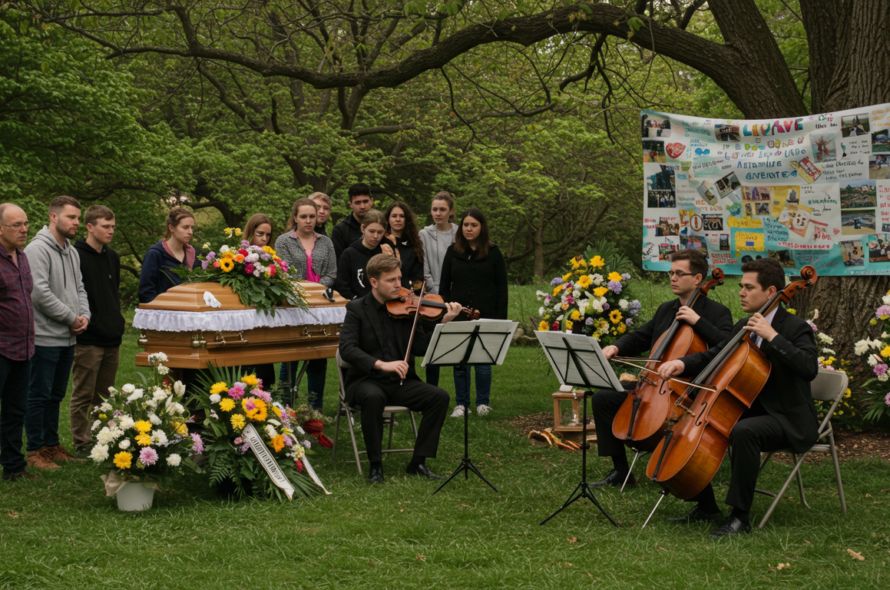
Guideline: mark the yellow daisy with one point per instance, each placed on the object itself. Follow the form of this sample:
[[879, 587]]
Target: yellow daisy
[[123, 460], [600, 291], [614, 276], [615, 316], [227, 404], [543, 327], [219, 388]]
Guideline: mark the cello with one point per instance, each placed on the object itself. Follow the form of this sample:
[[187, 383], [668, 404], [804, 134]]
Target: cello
[[686, 459], [648, 407]]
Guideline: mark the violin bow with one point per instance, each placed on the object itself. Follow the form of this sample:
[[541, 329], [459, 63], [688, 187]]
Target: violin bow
[[690, 384], [414, 327]]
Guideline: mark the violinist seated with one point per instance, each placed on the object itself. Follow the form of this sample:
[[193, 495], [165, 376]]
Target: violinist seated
[[374, 344], [783, 414], [709, 319]]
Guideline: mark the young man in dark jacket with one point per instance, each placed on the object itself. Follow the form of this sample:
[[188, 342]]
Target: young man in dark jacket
[[96, 353], [350, 228]]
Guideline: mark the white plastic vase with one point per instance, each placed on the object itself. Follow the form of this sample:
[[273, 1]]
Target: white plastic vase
[[135, 496]]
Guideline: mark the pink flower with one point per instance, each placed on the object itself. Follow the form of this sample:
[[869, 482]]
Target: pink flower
[[148, 456], [204, 265], [262, 395], [236, 392], [248, 268], [249, 405], [271, 270], [887, 399], [880, 369], [197, 443], [216, 264]]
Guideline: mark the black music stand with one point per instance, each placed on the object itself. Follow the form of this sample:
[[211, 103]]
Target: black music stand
[[483, 342], [578, 361]]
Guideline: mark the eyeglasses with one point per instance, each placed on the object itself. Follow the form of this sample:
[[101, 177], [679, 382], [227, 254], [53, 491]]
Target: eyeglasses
[[679, 274], [17, 226]]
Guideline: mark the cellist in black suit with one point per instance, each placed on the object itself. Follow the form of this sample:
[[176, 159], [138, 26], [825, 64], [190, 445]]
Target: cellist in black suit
[[710, 320], [374, 344], [783, 414]]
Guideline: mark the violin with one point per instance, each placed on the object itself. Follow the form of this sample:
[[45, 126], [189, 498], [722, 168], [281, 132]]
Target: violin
[[648, 407], [432, 307], [693, 447]]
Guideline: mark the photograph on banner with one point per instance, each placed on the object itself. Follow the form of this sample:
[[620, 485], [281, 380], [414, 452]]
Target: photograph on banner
[[667, 226], [852, 253], [854, 125], [879, 167], [785, 257], [655, 125], [660, 185], [879, 248], [858, 222], [823, 147], [653, 151], [727, 132], [880, 142]]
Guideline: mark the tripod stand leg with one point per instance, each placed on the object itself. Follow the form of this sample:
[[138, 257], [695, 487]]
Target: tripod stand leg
[[572, 498], [663, 494], [587, 492], [461, 467], [470, 467]]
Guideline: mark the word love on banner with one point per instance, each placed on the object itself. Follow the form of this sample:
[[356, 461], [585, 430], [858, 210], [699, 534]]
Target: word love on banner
[[270, 465], [805, 190]]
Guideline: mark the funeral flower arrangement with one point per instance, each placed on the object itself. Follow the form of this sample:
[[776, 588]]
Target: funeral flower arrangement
[[589, 298], [876, 353], [230, 403], [256, 274], [140, 432]]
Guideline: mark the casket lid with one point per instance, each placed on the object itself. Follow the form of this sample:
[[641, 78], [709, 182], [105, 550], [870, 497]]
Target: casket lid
[[190, 297]]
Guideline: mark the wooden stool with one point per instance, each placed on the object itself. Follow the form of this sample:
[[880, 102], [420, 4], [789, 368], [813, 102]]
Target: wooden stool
[[573, 430]]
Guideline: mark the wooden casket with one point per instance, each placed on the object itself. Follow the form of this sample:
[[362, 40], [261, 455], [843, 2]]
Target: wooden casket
[[182, 325]]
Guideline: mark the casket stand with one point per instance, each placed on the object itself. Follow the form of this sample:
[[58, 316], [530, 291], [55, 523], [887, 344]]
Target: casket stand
[[182, 325]]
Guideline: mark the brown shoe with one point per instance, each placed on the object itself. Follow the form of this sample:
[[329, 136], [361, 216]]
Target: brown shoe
[[61, 454], [41, 459], [19, 475]]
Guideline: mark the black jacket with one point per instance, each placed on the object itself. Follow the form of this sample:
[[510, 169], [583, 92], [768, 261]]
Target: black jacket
[[786, 395], [345, 233], [323, 230], [156, 277], [352, 281], [101, 272], [360, 347], [713, 326], [478, 284], [412, 266]]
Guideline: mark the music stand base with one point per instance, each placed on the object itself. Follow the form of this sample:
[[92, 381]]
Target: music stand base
[[466, 466], [582, 490]]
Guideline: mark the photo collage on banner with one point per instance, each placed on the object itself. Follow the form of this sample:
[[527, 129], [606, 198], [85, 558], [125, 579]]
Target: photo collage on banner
[[808, 190]]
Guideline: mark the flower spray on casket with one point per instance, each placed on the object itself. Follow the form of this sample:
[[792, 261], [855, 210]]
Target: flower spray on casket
[[231, 401], [140, 433]]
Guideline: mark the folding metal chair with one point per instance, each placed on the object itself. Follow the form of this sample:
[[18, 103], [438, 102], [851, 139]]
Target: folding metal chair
[[350, 411], [828, 386]]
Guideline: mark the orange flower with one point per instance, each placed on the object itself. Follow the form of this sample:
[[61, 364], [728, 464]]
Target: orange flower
[[278, 443], [239, 258]]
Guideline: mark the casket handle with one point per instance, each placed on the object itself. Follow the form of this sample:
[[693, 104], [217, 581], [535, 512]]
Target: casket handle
[[198, 340], [143, 339]]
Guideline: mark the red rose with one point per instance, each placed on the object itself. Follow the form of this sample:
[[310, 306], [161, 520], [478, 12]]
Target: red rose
[[313, 426], [299, 466], [243, 252]]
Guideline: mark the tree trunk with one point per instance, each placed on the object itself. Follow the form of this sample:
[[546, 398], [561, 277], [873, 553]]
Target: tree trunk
[[538, 239]]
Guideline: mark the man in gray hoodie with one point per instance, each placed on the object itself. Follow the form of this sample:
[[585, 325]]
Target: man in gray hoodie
[[61, 312]]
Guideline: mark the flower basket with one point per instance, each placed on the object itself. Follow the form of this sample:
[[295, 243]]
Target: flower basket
[[135, 496]]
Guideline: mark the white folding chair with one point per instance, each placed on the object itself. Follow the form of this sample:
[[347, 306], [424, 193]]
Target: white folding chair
[[350, 411], [828, 386]]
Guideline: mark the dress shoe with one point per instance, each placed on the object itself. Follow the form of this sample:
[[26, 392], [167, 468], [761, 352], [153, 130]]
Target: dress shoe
[[732, 526], [61, 454], [697, 515], [41, 459], [375, 475], [19, 475], [615, 479], [423, 470]]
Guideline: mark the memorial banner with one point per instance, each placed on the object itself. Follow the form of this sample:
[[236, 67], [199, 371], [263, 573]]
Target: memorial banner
[[803, 190]]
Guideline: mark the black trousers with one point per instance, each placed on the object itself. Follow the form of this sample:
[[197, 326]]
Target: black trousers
[[748, 439], [14, 379], [373, 395], [605, 404]]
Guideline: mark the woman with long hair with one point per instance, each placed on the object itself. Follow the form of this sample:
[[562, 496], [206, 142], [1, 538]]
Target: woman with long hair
[[312, 256], [401, 225], [475, 275], [352, 281], [174, 250], [258, 232]]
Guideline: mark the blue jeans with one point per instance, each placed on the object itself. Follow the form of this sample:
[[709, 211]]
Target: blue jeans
[[50, 371], [462, 384], [316, 373], [14, 376]]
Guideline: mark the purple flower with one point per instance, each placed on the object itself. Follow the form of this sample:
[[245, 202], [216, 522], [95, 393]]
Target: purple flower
[[117, 412], [629, 322], [245, 447], [148, 456], [210, 256], [112, 424], [245, 244], [615, 286], [813, 326], [307, 444], [625, 276], [547, 300], [197, 443], [288, 442], [634, 307], [556, 281], [588, 322], [204, 264], [606, 307], [880, 369], [883, 310], [264, 256]]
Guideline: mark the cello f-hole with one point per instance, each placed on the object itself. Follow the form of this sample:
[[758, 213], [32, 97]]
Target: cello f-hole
[[701, 414]]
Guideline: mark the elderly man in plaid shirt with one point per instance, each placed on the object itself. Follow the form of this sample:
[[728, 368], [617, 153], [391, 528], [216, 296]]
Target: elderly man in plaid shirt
[[16, 339]]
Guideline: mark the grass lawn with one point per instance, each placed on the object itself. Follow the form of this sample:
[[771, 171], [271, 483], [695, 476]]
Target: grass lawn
[[62, 532]]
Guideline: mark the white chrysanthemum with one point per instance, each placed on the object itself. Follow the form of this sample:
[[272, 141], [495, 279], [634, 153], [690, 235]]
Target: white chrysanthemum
[[828, 351], [105, 407], [158, 437], [179, 388], [153, 418], [128, 388], [825, 338], [597, 305], [540, 294], [597, 279], [884, 377], [162, 370], [124, 444], [161, 357], [178, 408], [104, 436], [159, 394], [99, 453], [872, 360], [214, 398], [135, 395], [270, 430], [253, 257], [623, 303], [126, 422], [151, 404], [96, 425], [223, 249], [274, 422], [860, 347], [886, 299], [576, 294], [116, 433], [112, 391], [174, 460]]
